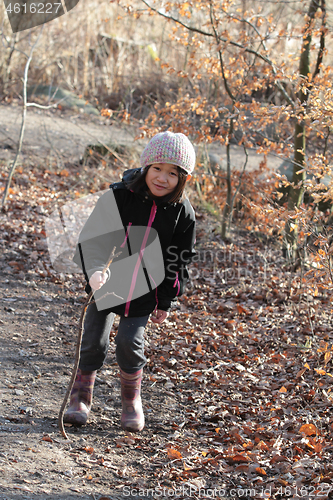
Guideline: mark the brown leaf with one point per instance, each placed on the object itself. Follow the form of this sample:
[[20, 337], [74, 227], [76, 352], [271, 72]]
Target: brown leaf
[[238, 459], [89, 450], [278, 458], [47, 438], [318, 447], [242, 468], [309, 429], [174, 454], [262, 446], [327, 357], [242, 310], [261, 471], [300, 373]]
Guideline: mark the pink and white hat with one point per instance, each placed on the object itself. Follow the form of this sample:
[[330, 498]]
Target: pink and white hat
[[167, 147]]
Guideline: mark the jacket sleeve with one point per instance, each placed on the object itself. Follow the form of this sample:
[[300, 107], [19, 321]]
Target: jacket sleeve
[[177, 257], [99, 235]]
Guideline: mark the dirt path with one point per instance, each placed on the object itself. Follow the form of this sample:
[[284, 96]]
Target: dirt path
[[63, 134], [38, 331]]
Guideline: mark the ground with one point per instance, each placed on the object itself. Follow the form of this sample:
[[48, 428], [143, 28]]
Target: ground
[[236, 392]]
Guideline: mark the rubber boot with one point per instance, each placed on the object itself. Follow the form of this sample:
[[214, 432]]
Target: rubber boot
[[132, 418], [81, 398]]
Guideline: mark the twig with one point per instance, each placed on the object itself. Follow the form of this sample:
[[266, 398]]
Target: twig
[[41, 106], [78, 349]]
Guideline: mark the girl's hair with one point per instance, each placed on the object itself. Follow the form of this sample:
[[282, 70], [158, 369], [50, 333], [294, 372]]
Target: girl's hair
[[176, 196]]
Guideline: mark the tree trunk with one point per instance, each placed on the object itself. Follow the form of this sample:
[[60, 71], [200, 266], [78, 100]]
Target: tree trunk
[[299, 175], [227, 207]]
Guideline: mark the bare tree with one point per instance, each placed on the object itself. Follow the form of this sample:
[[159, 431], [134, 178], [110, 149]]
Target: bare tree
[[25, 107]]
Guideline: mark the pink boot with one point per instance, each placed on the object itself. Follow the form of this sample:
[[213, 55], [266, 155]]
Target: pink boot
[[81, 398], [132, 418]]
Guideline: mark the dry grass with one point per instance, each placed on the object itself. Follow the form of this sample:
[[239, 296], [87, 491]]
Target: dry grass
[[95, 50]]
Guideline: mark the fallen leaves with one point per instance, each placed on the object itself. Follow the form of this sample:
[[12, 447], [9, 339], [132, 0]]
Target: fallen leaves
[[255, 397]]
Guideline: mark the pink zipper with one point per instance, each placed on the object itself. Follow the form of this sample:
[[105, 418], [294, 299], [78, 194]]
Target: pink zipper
[[176, 283], [142, 249], [126, 236]]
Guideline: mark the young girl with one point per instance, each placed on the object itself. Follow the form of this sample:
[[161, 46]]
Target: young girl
[[152, 227]]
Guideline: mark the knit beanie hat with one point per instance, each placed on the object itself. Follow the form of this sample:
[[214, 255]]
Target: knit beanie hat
[[167, 147]]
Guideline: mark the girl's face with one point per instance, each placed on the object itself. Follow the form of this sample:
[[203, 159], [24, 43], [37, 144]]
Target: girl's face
[[162, 178]]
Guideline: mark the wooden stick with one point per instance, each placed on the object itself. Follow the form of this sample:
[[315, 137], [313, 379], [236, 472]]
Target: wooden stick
[[78, 349]]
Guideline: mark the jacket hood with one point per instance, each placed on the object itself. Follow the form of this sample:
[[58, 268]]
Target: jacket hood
[[129, 175]]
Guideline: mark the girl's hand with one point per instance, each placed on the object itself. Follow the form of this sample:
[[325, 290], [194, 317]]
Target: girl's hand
[[159, 316], [97, 280]]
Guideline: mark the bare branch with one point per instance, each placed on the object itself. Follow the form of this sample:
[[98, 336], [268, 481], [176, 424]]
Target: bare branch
[[231, 42], [170, 18], [217, 38], [40, 106]]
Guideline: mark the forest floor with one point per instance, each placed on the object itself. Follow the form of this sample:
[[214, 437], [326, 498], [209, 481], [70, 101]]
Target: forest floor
[[237, 389]]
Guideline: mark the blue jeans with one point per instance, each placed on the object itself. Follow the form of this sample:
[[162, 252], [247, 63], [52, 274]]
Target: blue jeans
[[129, 340]]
